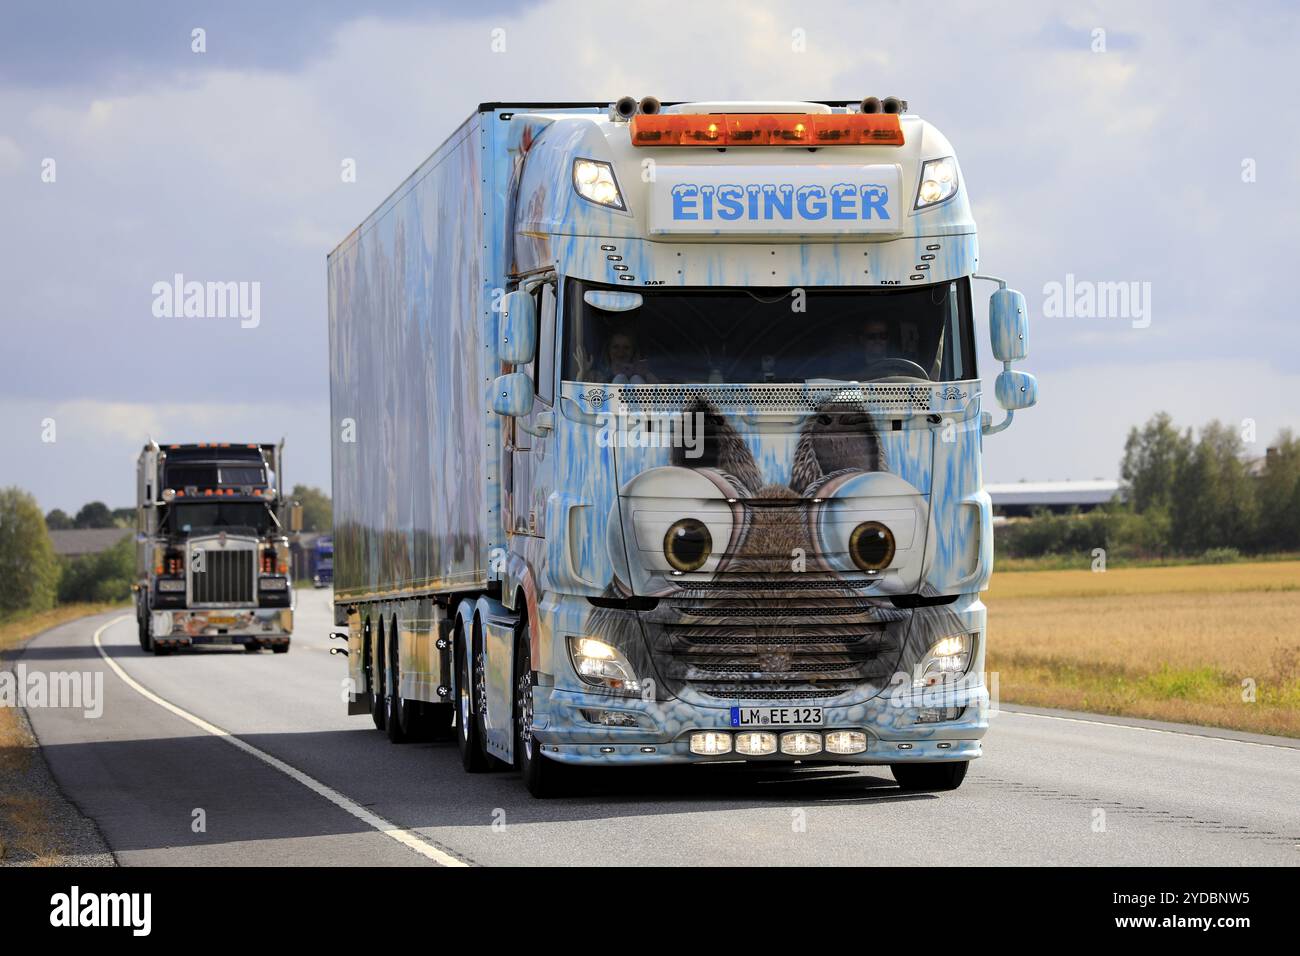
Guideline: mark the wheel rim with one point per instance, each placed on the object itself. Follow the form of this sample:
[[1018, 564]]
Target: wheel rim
[[480, 683], [462, 692], [525, 707]]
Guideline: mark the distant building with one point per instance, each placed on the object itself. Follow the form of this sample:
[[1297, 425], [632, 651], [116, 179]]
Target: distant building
[[1021, 498], [75, 542]]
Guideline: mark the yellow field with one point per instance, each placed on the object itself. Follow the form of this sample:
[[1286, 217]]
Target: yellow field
[[1189, 644]]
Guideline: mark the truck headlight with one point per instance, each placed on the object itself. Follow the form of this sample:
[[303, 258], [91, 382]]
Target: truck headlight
[[947, 658], [938, 182], [595, 180], [602, 664], [171, 586]]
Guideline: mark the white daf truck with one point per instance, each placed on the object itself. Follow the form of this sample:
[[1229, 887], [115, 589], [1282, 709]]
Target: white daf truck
[[658, 436]]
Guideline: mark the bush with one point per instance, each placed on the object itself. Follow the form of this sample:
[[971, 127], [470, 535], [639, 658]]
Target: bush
[[102, 577], [1220, 556], [29, 571], [1119, 532]]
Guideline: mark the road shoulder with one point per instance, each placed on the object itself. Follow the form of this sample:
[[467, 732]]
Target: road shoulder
[[1161, 726], [39, 824]]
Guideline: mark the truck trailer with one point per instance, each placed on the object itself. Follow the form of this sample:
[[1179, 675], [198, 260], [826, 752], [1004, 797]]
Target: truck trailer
[[657, 437], [212, 553]]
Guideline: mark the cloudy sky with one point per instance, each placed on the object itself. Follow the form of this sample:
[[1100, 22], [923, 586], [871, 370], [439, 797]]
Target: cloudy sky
[[1113, 142]]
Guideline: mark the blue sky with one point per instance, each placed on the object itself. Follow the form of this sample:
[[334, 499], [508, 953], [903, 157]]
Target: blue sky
[[1122, 165]]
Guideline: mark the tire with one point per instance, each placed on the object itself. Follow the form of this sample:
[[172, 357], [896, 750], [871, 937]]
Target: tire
[[542, 776], [146, 631], [399, 721], [252, 647], [375, 676], [930, 776], [280, 649], [469, 725]]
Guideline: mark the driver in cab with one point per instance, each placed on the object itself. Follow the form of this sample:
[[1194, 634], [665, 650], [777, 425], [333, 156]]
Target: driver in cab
[[887, 357]]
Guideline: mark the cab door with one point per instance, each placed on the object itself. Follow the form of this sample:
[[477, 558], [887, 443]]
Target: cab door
[[531, 478]]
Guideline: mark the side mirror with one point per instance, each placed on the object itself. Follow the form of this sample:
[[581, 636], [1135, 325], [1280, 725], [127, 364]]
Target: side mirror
[[1016, 390], [517, 338], [512, 394], [1008, 326], [295, 517]]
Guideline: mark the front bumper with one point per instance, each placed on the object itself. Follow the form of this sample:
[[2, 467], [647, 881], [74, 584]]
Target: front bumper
[[890, 722], [180, 628]]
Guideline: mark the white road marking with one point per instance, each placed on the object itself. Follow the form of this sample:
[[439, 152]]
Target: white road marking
[[402, 836], [1149, 730]]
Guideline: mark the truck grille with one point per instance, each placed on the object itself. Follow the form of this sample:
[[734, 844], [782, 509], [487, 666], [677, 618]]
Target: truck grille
[[777, 397], [743, 647], [227, 578]]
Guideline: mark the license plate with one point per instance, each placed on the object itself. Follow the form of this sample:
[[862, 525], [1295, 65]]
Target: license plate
[[776, 716], [220, 620]]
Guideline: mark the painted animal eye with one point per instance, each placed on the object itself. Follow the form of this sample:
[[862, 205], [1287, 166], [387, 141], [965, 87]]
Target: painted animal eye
[[688, 544], [676, 522], [872, 546], [871, 527]]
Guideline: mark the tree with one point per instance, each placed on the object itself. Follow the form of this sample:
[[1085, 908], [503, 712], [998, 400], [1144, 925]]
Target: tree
[[1152, 459], [94, 515], [29, 572], [1213, 503], [317, 509], [58, 520], [106, 576], [1279, 493]]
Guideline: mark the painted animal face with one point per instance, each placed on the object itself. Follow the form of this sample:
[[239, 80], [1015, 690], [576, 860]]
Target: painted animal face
[[714, 518], [760, 593]]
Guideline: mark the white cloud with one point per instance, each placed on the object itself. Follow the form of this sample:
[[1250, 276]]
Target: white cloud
[[1115, 166]]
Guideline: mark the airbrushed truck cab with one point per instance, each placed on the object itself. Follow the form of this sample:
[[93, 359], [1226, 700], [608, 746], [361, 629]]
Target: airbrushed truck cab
[[736, 447]]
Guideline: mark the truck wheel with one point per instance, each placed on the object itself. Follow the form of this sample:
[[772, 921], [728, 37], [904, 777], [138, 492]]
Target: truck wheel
[[469, 726], [375, 677], [279, 648], [252, 647], [398, 721], [930, 776], [542, 776]]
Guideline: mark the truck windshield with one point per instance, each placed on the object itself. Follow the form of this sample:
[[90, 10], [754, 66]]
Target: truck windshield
[[202, 516], [753, 335], [213, 475]]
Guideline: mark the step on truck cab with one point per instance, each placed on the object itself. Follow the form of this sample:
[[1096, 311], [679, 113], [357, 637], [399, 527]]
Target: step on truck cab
[[212, 551], [657, 439]]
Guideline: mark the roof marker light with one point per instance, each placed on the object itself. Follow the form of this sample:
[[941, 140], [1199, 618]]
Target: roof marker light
[[767, 129]]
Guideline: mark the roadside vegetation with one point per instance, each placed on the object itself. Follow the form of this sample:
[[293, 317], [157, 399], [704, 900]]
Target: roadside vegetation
[[1179, 603], [1186, 499], [1200, 644]]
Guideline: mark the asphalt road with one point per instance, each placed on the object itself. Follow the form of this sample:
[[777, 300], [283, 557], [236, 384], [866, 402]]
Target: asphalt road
[[304, 784]]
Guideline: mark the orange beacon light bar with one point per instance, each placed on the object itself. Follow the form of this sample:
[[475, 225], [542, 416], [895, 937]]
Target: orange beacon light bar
[[767, 129]]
